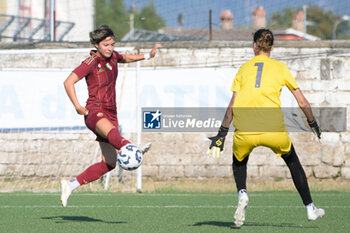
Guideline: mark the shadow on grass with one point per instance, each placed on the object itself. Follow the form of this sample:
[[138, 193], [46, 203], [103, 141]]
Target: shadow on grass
[[251, 224], [61, 219], [287, 225], [216, 223]]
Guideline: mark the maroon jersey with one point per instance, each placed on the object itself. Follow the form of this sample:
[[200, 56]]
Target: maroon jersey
[[101, 75]]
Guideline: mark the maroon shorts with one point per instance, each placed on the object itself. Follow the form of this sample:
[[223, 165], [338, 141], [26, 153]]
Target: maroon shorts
[[96, 114]]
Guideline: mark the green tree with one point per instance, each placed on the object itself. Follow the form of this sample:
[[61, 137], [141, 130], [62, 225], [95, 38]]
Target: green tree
[[148, 18], [282, 20], [322, 22], [114, 14]]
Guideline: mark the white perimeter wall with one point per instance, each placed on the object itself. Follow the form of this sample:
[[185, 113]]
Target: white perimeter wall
[[321, 70]]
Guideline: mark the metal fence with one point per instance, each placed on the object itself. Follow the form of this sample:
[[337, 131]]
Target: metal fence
[[17, 28]]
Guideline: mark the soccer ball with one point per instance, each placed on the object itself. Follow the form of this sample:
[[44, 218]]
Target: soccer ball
[[130, 157]]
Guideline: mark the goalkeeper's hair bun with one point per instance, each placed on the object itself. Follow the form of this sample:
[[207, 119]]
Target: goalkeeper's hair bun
[[101, 33], [264, 39]]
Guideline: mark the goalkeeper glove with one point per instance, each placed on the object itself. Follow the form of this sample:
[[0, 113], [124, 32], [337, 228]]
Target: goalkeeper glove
[[315, 128], [217, 142]]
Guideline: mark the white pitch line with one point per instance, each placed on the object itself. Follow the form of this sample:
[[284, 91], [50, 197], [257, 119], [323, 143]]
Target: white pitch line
[[121, 194], [166, 194], [119, 206], [165, 206]]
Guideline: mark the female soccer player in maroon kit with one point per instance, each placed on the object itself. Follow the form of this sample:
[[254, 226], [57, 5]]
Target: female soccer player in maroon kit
[[100, 71]]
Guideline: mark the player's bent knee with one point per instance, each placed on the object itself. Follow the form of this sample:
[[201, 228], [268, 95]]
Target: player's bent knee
[[291, 157], [103, 127], [237, 163]]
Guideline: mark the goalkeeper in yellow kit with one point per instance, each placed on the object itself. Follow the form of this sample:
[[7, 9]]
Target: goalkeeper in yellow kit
[[258, 121]]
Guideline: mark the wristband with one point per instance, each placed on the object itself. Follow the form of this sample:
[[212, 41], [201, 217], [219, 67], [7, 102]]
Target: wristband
[[147, 56], [222, 131], [312, 123]]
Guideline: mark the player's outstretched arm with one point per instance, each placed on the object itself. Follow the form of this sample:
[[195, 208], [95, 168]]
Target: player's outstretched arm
[[153, 52], [217, 142], [226, 122], [306, 108], [127, 58]]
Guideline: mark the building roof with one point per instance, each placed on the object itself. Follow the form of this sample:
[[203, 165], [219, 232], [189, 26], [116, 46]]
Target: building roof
[[259, 11], [292, 34], [146, 35], [226, 14], [218, 34]]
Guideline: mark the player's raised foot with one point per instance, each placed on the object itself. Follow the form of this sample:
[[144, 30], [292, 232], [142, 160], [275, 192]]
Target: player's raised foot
[[239, 216], [66, 191], [315, 213], [146, 147]]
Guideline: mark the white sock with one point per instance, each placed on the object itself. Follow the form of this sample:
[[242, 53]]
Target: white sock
[[73, 184], [240, 192], [310, 206]]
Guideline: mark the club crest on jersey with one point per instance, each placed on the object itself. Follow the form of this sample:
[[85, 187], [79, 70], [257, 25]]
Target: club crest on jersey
[[100, 69], [109, 66]]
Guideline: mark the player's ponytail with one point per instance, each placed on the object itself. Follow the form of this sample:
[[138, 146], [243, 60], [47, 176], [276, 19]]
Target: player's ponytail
[[101, 33], [264, 39]]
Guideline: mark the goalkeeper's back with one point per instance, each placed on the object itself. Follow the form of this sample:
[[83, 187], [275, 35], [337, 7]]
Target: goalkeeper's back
[[257, 105]]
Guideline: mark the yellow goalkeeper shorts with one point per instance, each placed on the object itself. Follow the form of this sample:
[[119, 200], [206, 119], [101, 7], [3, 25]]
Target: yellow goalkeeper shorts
[[243, 144]]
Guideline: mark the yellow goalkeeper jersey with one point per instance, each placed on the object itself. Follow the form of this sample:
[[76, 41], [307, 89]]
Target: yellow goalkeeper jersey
[[258, 85]]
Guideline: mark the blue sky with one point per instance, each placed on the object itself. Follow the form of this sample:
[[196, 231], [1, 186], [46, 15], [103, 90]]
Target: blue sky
[[196, 11]]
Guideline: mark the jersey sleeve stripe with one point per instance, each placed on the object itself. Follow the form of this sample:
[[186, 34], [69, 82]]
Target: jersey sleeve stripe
[[90, 59]]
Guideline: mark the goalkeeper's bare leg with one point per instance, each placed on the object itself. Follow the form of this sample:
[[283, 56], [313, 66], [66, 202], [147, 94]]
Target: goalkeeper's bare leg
[[300, 182]]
